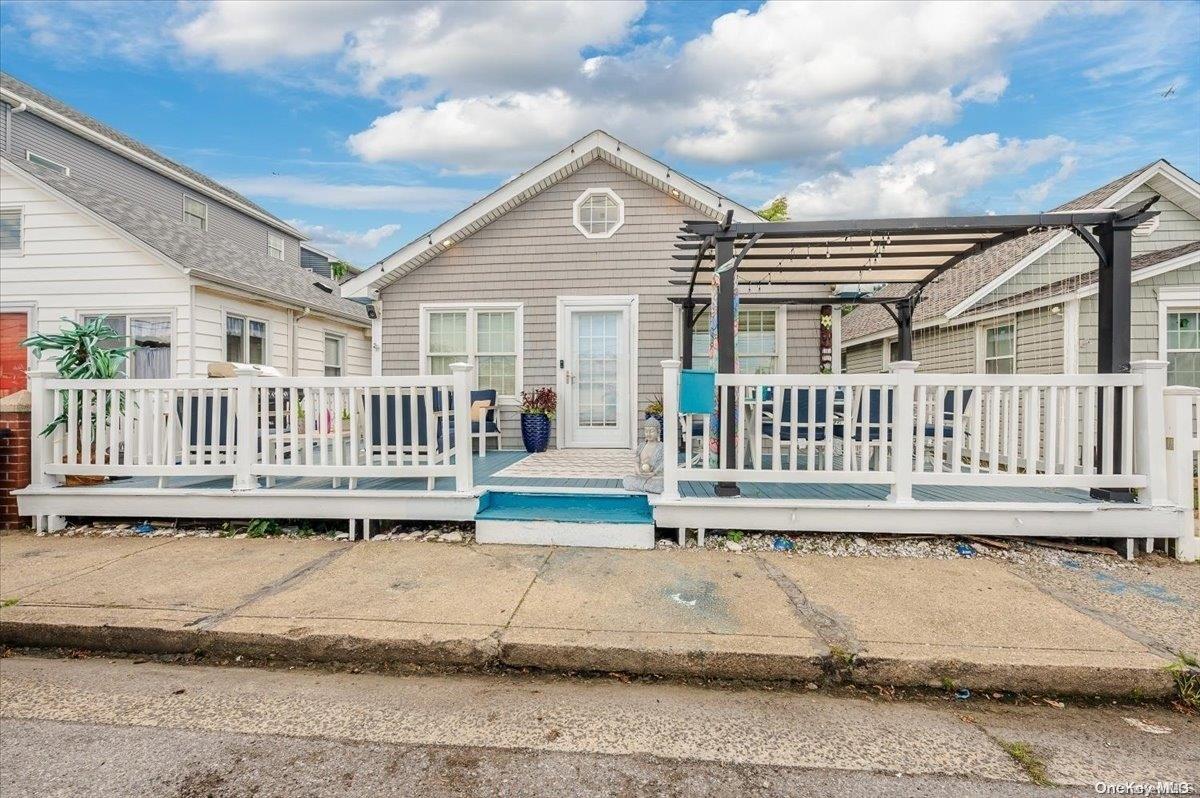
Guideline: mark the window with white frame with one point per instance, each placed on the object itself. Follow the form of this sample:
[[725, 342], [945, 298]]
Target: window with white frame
[[486, 336], [759, 341], [245, 340], [598, 213], [150, 334], [1183, 346], [10, 230], [46, 163], [275, 246], [335, 355], [195, 214], [999, 343]]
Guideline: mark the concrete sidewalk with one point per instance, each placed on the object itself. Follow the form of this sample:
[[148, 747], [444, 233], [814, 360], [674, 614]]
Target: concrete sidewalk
[[975, 622]]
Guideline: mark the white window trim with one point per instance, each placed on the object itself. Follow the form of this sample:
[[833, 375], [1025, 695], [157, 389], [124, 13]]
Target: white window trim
[[781, 333], [153, 311], [203, 204], [271, 238], [225, 315], [1176, 299], [30, 155], [341, 351], [20, 250], [471, 308], [590, 193], [981, 331]]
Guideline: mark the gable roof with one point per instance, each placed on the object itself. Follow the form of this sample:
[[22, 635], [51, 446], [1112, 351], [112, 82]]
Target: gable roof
[[204, 255], [957, 289], [570, 159], [60, 113]]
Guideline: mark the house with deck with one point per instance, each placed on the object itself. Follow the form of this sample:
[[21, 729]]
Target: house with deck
[[1029, 306], [605, 273], [93, 222]]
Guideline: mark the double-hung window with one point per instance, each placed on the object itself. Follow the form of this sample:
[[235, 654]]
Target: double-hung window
[[245, 340], [1000, 349], [758, 341], [1183, 346], [10, 231], [487, 336], [150, 333], [195, 214], [335, 350], [275, 246]]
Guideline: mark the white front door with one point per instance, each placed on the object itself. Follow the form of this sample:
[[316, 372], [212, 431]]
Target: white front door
[[596, 372]]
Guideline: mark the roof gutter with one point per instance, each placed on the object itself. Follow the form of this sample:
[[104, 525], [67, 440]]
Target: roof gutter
[[206, 277], [85, 132]]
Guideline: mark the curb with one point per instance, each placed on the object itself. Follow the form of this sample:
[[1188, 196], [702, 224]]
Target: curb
[[491, 652]]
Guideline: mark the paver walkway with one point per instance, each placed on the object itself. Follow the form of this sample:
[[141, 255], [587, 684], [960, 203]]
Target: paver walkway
[[976, 622]]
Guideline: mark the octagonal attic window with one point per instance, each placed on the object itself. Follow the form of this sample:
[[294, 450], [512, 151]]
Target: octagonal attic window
[[599, 212]]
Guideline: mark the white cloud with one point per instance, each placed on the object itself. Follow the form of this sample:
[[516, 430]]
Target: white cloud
[[928, 176], [332, 239], [79, 32], [358, 196], [490, 86]]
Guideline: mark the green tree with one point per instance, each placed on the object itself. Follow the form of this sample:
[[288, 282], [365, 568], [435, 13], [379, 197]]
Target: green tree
[[776, 210]]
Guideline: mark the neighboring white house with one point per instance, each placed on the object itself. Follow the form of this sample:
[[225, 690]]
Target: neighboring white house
[[94, 223], [1029, 305]]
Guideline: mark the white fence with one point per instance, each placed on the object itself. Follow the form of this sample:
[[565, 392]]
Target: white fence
[[252, 427], [903, 429]]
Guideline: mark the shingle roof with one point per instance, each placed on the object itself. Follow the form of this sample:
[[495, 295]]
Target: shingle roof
[[31, 94], [955, 285], [1060, 287], [206, 254]]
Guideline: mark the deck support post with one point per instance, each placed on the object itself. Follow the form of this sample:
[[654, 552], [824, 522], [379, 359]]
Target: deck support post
[[41, 410], [904, 421], [1180, 434], [670, 443], [904, 318], [463, 474], [245, 428], [1114, 324], [727, 358]]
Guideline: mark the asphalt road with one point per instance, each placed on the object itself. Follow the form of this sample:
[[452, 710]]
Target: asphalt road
[[100, 727]]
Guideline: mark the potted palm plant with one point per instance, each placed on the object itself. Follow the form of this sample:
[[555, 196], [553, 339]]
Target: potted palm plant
[[537, 411], [82, 351]]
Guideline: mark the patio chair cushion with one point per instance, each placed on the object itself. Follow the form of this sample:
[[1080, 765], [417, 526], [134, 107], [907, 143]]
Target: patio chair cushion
[[482, 398]]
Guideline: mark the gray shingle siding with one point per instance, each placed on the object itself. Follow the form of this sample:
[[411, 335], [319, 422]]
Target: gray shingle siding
[[94, 164], [533, 254]]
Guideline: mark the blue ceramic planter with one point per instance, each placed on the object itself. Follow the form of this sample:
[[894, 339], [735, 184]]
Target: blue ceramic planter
[[535, 432]]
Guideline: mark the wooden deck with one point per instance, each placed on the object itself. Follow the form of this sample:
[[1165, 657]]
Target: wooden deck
[[486, 467]]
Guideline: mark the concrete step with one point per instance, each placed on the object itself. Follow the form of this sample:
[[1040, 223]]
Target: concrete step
[[565, 519]]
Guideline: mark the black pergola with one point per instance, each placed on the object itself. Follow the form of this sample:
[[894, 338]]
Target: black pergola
[[906, 252]]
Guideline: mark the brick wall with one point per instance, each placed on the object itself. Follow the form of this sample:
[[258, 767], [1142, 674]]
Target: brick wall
[[14, 456]]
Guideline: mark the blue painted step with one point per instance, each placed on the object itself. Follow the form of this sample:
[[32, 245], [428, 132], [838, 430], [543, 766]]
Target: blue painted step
[[578, 508]]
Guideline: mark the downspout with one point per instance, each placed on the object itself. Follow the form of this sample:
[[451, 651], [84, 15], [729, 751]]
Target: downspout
[[192, 330], [295, 350]]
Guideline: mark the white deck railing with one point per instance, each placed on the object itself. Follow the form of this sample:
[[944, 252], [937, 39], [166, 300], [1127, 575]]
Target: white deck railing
[[250, 427], [903, 429]]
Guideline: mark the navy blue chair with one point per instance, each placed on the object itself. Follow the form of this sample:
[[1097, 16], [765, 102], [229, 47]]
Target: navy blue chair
[[948, 410], [867, 421], [486, 425], [392, 428], [783, 417]]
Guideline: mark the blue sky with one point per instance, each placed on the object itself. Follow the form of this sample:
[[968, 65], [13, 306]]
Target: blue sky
[[368, 123]]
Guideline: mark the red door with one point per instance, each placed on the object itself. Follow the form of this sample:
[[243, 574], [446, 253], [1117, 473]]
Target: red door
[[14, 328]]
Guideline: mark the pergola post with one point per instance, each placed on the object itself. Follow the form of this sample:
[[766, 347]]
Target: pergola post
[[1114, 329], [685, 352], [727, 359], [904, 317]]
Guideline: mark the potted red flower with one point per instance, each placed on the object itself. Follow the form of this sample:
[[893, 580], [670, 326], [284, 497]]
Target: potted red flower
[[537, 411]]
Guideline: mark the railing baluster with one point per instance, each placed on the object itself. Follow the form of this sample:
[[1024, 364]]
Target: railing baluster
[[1051, 455], [1071, 442], [1089, 430]]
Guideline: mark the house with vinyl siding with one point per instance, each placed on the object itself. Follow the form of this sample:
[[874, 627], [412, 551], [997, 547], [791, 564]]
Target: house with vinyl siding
[[562, 278], [93, 222], [1029, 305]]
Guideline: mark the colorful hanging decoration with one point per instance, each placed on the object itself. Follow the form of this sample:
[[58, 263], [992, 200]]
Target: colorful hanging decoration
[[714, 437]]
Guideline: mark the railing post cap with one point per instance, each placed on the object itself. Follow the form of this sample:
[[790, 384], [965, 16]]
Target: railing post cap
[[458, 367], [242, 370], [1148, 365], [672, 364], [42, 370], [903, 365], [1181, 390]]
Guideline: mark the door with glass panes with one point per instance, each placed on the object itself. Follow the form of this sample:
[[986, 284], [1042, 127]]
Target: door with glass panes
[[596, 363]]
